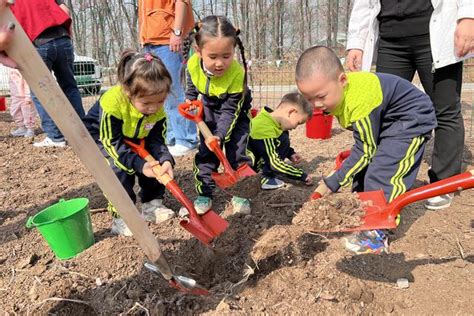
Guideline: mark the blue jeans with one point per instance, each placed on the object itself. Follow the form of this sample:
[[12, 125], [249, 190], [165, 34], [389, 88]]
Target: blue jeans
[[58, 55], [179, 130]]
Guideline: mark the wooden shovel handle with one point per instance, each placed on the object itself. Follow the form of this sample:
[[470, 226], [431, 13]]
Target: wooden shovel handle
[[45, 87]]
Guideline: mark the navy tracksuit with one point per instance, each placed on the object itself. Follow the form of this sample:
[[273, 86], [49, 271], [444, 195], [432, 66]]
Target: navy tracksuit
[[270, 146], [391, 121], [226, 104]]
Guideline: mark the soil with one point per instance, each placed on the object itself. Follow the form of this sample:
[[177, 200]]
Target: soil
[[262, 263], [333, 212], [247, 187]]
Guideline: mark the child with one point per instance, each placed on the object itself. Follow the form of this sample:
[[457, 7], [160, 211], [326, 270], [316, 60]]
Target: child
[[270, 141], [221, 81], [21, 108], [391, 121], [133, 110]]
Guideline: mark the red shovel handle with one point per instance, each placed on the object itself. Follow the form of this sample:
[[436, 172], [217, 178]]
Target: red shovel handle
[[138, 148], [186, 108]]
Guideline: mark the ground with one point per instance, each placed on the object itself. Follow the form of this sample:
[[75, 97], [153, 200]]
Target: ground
[[303, 273]]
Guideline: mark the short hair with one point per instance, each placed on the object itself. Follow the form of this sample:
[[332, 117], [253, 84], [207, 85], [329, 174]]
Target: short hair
[[318, 59], [297, 99]]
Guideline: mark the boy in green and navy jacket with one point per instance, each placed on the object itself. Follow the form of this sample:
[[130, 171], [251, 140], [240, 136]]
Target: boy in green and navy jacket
[[391, 121], [269, 143]]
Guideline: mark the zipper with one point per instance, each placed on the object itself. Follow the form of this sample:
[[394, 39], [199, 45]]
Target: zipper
[[137, 130], [208, 83], [433, 69]]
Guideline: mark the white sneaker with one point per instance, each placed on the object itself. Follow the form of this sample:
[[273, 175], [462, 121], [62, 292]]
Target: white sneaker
[[30, 133], [180, 150], [18, 132], [154, 211], [120, 228], [439, 202], [48, 142]]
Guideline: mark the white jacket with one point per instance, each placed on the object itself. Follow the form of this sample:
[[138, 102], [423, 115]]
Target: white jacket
[[363, 30]]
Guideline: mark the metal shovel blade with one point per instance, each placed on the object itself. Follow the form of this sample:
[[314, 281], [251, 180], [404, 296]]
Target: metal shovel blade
[[181, 283]]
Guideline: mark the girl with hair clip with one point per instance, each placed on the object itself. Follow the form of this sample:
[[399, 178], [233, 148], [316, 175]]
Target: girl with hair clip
[[214, 74], [133, 110]]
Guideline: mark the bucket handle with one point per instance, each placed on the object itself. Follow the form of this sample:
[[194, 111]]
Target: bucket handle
[[29, 222]]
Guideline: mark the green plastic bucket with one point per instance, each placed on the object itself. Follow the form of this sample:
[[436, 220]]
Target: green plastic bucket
[[66, 226]]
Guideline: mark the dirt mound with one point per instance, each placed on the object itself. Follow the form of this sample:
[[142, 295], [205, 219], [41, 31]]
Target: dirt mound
[[331, 212]]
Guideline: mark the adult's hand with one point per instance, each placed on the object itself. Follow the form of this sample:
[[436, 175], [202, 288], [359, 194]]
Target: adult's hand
[[6, 36], [176, 43], [354, 59], [464, 37]]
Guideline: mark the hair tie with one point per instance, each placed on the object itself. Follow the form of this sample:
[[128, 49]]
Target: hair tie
[[148, 57]]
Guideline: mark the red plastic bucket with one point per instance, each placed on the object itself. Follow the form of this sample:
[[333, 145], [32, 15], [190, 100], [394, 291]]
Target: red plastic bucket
[[319, 126], [3, 104]]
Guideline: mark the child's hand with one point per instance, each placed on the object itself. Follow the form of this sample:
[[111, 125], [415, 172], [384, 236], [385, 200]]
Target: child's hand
[[308, 180], [166, 167], [209, 140], [148, 169], [296, 158]]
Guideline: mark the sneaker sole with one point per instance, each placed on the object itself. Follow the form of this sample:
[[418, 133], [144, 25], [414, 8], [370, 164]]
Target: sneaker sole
[[436, 207]]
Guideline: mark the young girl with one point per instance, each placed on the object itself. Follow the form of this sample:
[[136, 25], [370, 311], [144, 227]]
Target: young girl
[[213, 73], [22, 108], [133, 110]]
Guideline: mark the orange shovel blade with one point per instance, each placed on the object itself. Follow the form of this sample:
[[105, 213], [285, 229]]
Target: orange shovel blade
[[245, 171], [208, 227], [377, 214]]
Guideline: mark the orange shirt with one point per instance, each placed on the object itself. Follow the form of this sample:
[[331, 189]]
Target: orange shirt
[[156, 20]]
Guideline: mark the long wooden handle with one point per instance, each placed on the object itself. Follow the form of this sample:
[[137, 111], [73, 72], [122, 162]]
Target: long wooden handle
[[45, 87]]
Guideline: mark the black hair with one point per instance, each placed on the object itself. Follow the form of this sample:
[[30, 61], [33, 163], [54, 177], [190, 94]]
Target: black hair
[[142, 74], [214, 26], [320, 59], [297, 99]]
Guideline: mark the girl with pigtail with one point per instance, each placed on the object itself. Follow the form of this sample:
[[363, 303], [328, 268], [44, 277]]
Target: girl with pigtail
[[214, 74], [133, 110]]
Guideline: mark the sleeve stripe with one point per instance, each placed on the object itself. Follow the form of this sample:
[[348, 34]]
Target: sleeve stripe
[[277, 163], [105, 137]]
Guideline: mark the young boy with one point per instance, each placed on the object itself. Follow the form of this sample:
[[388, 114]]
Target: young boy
[[269, 142], [391, 121]]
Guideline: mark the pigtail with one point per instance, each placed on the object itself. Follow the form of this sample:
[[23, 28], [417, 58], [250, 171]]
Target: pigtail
[[123, 64], [242, 55]]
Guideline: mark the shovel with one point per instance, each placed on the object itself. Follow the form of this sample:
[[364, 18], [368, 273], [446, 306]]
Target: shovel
[[41, 81], [205, 227], [382, 215], [230, 176]]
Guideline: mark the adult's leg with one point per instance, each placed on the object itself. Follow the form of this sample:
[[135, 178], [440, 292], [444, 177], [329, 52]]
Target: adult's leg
[[64, 72], [394, 57], [445, 86], [47, 52], [180, 130]]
